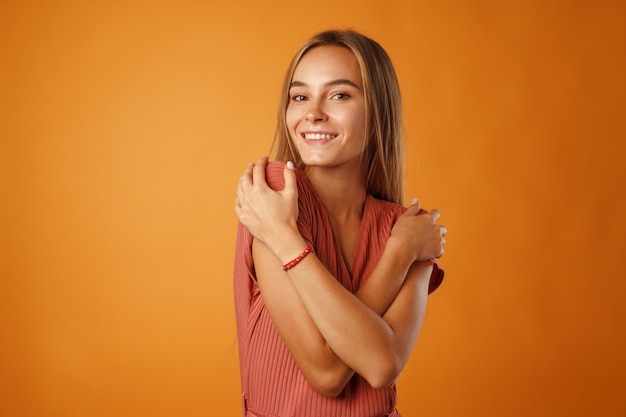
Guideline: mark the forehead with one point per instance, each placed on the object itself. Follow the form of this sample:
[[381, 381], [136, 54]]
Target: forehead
[[327, 63]]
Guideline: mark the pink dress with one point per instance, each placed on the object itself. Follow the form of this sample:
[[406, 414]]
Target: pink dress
[[272, 384]]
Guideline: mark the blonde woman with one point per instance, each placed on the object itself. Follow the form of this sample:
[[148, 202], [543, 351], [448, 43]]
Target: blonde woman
[[331, 272]]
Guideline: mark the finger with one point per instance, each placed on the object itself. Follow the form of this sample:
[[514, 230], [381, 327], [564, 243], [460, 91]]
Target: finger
[[246, 178], [443, 230], [247, 173], [244, 182], [414, 208], [258, 173], [290, 177]]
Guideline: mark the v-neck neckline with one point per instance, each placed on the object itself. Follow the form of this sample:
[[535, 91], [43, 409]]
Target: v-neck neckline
[[348, 269]]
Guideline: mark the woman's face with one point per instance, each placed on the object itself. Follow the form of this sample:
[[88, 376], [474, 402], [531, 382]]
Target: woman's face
[[326, 110]]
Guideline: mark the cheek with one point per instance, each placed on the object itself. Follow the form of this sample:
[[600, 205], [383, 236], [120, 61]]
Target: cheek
[[362, 127], [357, 125], [291, 120]]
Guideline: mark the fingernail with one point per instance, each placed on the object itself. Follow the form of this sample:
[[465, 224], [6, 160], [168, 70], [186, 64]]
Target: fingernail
[[414, 201], [290, 165]]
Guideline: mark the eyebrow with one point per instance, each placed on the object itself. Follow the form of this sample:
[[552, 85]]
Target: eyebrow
[[340, 81]]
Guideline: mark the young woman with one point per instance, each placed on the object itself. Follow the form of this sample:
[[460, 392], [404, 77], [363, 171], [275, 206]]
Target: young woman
[[331, 271]]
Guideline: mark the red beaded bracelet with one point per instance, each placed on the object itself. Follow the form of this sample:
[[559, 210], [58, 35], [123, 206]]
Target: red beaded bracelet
[[300, 257]]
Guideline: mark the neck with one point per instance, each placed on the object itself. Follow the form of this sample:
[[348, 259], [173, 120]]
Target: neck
[[343, 193]]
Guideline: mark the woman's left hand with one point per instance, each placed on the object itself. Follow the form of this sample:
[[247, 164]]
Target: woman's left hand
[[269, 215]]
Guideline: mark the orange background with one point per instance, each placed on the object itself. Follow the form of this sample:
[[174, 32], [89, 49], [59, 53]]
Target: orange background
[[125, 125]]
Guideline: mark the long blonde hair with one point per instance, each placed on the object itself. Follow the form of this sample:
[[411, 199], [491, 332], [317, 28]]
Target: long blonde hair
[[383, 153]]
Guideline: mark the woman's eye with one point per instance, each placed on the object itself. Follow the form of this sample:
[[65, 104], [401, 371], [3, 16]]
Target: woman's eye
[[298, 97], [340, 96]]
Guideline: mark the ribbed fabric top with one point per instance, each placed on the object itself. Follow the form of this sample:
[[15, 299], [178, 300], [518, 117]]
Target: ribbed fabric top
[[272, 384]]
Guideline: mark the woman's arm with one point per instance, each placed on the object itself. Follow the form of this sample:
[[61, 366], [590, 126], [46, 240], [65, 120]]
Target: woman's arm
[[322, 368], [328, 330]]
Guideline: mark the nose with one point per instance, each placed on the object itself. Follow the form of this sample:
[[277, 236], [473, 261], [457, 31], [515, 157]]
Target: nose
[[315, 112]]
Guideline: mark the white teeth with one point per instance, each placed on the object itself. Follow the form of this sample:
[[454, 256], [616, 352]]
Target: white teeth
[[317, 136]]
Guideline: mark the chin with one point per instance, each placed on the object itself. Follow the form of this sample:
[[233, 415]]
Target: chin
[[314, 162]]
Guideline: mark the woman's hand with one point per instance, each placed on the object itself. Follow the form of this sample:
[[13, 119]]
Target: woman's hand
[[269, 215], [417, 231]]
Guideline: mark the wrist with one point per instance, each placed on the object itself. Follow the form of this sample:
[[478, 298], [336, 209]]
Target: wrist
[[402, 253], [295, 261], [287, 245]]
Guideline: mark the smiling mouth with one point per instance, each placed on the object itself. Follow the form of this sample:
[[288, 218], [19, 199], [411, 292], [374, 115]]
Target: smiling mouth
[[318, 136]]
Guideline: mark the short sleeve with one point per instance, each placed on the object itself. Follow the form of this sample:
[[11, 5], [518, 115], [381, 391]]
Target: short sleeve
[[436, 278], [275, 179]]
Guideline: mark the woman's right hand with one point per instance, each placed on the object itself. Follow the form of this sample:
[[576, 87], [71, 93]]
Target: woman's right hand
[[269, 215], [418, 231]]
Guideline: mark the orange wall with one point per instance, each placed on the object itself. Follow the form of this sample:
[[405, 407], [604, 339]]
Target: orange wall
[[124, 127]]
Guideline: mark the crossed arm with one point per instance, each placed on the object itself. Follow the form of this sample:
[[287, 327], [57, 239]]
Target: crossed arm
[[330, 332]]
